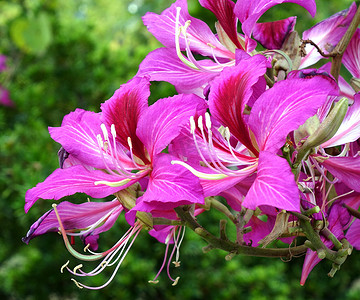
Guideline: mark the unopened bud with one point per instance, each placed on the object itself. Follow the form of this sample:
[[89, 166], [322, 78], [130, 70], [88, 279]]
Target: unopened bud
[[328, 127]]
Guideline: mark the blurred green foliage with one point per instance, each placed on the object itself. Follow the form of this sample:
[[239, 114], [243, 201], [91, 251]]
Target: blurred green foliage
[[68, 54]]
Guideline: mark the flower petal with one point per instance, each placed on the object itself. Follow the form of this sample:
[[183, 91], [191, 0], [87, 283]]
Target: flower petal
[[76, 179], [124, 109], [73, 217], [274, 185], [77, 135], [351, 58], [346, 169], [286, 106], [249, 12], [232, 90], [326, 35], [164, 65], [224, 12], [163, 121], [170, 186], [198, 33], [273, 34]]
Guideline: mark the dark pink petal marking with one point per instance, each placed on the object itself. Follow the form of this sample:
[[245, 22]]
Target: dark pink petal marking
[[124, 109]]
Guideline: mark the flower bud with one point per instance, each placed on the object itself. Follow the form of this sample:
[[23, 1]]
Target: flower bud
[[328, 127]]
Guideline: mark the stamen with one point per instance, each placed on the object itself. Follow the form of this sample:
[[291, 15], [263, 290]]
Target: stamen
[[71, 250], [113, 131], [86, 247], [198, 173], [113, 184]]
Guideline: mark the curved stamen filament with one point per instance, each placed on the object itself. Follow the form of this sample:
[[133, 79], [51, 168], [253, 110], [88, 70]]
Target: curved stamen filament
[[81, 285]]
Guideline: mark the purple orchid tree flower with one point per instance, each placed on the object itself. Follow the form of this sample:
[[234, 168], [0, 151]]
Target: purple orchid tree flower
[[122, 145], [178, 31], [254, 141]]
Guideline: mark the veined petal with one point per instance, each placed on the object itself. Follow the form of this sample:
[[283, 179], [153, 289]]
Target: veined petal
[[274, 185], [199, 34], [346, 169], [124, 109], [163, 121], [232, 90], [249, 12], [78, 136], [170, 186], [353, 234], [164, 65], [75, 217], [76, 179], [326, 35], [349, 130], [224, 12], [286, 106], [351, 58], [273, 34]]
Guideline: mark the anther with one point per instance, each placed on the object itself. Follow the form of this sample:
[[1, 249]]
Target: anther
[[207, 120], [129, 142], [200, 123], [211, 45], [105, 132], [113, 131], [153, 281], [176, 263], [86, 247], [64, 266], [192, 125], [176, 281], [77, 284], [227, 133], [77, 268]]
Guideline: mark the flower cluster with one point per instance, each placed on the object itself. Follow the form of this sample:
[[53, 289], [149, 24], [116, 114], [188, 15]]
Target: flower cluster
[[257, 135]]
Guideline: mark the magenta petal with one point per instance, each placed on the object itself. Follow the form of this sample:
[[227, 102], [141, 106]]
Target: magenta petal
[[346, 169], [164, 65], [77, 135], [326, 35], [170, 186], [73, 216], [76, 179], [353, 234], [274, 185], [198, 33], [124, 109], [351, 58], [273, 34], [286, 106], [164, 120], [224, 12], [249, 12], [232, 90]]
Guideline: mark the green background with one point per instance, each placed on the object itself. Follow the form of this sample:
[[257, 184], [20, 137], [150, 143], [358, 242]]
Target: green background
[[68, 54]]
